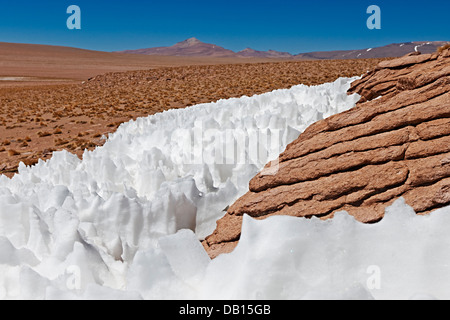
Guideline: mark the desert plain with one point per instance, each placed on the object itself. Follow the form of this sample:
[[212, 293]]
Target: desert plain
[[57, 98]]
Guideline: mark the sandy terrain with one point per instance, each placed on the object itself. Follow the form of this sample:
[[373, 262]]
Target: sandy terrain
[[43, 64], [39, 116]]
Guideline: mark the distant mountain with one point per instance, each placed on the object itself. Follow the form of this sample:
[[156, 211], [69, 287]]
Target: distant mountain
[[251, 53], [391, 50], [194, 47], [190, 47]]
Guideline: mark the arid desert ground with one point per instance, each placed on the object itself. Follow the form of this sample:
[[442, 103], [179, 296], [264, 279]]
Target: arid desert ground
[[55, 98]]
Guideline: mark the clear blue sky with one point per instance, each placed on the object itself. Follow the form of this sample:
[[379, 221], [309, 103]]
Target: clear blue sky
[[284, 25]]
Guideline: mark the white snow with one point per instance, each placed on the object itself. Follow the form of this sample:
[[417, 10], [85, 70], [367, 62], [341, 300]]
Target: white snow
[[420, 45], [405, 256], [124, 222]]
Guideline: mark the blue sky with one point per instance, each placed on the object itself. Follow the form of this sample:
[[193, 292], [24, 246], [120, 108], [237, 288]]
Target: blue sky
[[284, 25]]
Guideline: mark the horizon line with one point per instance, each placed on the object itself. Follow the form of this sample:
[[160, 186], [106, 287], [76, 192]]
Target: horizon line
[[143, 48]]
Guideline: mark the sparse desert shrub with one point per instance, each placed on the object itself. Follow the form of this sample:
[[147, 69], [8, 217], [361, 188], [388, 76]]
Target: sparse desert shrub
[[43, 134], [71, 146], [82, 134], [87, 145], [30, 161], [13, 153], [445, 47], [60, 142], [6, 142], [57, 131]]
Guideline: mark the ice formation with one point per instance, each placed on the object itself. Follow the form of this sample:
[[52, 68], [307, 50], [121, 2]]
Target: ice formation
[[124, 222]]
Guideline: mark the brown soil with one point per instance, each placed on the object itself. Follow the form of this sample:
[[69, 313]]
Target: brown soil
[[44, 64], [39, 118]]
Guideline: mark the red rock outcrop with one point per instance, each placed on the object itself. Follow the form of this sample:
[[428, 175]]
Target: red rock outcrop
[[394, 143]]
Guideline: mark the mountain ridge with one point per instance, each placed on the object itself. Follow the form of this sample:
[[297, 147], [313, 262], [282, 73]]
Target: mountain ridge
[[195, 47], [188, 47]]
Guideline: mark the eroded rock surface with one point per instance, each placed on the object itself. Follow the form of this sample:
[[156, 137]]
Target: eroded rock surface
[[394, 143]]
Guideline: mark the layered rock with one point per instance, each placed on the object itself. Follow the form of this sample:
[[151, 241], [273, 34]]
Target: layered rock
[[394, 143]]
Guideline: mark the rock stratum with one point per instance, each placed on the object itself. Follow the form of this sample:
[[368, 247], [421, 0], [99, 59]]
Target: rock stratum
[[394, 143]]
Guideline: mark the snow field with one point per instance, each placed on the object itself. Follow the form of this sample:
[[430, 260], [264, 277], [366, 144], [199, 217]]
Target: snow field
[[124, 222]]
